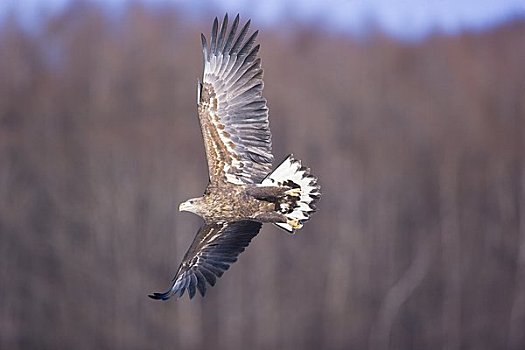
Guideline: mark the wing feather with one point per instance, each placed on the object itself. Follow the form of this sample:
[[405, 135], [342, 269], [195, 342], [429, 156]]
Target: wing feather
[[214, 249], [223, 32], [232, 112], [231, 36], [201, 283], [214, 36]]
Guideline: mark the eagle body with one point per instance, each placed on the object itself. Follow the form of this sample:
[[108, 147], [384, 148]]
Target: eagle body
[[230, 203], [243, 191]]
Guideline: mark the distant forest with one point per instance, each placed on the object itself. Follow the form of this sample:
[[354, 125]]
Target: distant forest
[[419, 240]]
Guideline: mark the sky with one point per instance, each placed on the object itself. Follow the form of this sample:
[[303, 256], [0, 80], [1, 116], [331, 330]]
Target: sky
[[400, 18]]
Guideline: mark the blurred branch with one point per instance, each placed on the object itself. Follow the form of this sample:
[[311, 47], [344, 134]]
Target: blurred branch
[[516, 336], [451, 253], [400, 292]]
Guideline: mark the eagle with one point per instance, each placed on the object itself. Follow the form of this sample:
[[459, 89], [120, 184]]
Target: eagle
[[243, 192]]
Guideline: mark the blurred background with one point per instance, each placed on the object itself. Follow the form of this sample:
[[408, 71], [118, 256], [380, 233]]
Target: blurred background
[[412, 114]]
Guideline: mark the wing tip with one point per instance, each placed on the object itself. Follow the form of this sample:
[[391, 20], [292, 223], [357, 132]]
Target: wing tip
[[179, 293], [160, 296]]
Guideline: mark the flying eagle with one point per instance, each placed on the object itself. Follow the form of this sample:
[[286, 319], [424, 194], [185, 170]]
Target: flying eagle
[[242, 192]]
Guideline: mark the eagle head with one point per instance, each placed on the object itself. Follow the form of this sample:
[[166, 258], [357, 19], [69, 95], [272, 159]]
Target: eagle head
[[192, 205]]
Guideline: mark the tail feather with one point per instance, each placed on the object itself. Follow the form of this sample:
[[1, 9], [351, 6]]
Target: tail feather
[[300, 200]]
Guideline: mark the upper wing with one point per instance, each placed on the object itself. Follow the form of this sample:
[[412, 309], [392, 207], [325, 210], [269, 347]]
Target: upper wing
[[214, 248], [232, 112]]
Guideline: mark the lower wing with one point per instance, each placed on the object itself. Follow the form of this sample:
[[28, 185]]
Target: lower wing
[[214, 249]]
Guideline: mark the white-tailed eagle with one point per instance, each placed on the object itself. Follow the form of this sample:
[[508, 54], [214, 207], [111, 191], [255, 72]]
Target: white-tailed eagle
[[242, 192]]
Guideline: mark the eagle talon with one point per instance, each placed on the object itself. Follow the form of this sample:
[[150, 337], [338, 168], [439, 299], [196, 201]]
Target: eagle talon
[[294, 223], [294, 192]]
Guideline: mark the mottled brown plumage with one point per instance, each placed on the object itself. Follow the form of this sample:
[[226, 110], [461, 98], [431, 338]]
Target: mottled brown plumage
[[242, 193], [229, 202]]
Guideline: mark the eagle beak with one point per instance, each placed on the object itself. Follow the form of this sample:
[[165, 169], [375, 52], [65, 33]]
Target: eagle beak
[[185, 206]]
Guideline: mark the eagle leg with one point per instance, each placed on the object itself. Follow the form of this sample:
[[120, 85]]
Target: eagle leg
[[266, 193], [271, 216]]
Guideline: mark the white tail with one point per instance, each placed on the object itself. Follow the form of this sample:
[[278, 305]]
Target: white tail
[[305, 192]]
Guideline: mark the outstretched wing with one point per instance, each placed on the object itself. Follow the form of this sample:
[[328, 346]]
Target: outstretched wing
[[232, 112], [214, 249]]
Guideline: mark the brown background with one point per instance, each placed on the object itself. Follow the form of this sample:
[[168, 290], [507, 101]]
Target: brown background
[[419, 242]]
